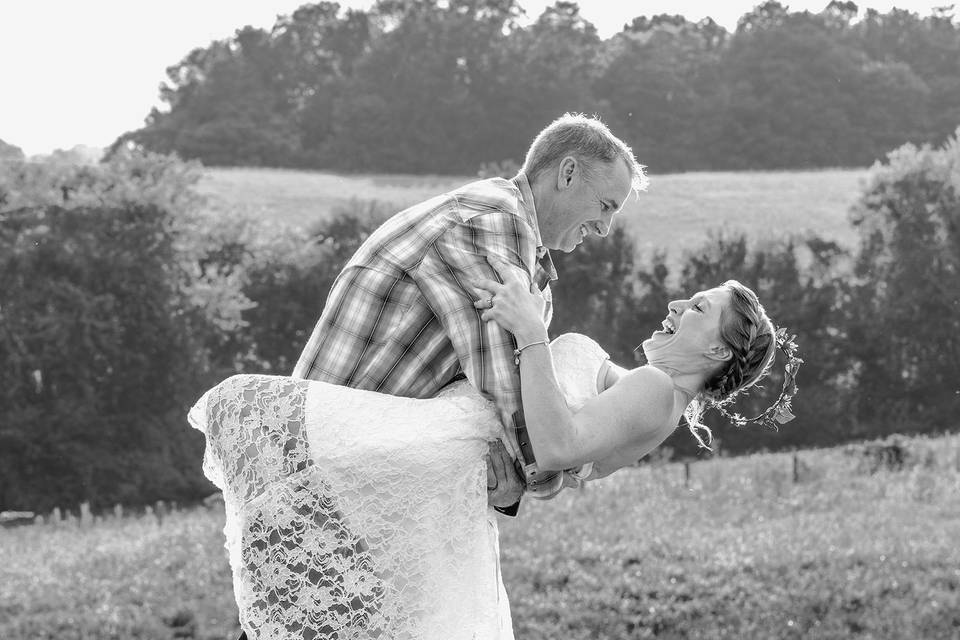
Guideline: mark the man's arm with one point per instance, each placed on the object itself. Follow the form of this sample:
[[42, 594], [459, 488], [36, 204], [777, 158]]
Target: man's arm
[[457, 258]]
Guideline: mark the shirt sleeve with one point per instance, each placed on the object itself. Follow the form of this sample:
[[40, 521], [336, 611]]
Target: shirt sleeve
[[458, 257]]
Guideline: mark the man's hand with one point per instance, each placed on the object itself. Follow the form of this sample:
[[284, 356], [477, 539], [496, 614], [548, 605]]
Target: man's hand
[[504, 484]]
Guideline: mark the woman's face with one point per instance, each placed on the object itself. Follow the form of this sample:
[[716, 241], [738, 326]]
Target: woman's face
[[690, 337]]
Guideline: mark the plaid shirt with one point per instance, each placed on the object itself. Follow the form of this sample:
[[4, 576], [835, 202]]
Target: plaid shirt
[[400, 317]]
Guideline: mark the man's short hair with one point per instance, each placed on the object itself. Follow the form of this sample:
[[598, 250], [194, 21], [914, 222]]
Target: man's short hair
[[585, 138]]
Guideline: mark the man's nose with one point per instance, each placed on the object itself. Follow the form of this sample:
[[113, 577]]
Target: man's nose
[[603, 227]]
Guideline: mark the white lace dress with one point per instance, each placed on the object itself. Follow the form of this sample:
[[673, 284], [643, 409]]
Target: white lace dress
[[353, 514]]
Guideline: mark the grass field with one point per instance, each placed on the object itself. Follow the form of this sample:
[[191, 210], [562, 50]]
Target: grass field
[[675, 213], [740, 552]]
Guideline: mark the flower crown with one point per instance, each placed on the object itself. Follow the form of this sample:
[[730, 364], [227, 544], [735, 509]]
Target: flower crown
[[779, 412]]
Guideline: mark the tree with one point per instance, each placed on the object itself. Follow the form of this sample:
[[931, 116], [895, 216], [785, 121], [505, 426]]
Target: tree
[[660, 84], [930, 47], [228, 104], [546, 70], [601, 293], [10, 152], [417, 100], [97, 360], [834, 108], [905, 331], [110, 305]]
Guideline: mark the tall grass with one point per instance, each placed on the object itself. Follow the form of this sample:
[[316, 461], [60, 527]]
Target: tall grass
[[739, 551]]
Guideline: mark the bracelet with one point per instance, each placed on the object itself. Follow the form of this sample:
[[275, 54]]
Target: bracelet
[[516, 352]]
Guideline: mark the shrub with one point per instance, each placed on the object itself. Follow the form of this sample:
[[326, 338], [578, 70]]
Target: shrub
[[99, 359], [905, 306], [107, 308]]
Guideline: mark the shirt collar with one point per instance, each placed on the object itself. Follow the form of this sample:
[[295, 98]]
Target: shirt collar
[[530, 211], [528, 208]]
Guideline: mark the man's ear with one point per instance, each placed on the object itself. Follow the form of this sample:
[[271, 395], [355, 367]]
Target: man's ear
[[719, 352], [569, 168]]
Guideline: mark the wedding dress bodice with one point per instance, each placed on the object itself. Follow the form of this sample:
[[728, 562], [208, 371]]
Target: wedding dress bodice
[[577, 360]]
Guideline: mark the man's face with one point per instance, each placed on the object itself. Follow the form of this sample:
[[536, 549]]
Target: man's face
[[577, 206]]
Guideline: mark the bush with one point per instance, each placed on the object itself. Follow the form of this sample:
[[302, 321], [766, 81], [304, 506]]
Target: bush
[[107, 313], [287, 274], [124, 295], [905, 306], [99, 360]]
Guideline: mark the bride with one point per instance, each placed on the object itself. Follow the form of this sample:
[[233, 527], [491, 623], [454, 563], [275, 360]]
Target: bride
[[353, 514]]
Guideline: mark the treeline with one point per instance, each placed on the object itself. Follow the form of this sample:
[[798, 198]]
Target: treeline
[[444, 86], [125, 294]]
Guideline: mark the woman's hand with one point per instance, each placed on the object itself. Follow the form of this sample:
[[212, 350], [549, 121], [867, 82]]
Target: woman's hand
[[514, 305]]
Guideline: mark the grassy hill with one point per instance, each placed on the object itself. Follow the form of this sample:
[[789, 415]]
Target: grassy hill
[[739, 552], [675, 213]]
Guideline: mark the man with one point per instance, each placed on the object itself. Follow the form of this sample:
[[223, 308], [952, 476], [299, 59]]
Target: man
[[401, 318]]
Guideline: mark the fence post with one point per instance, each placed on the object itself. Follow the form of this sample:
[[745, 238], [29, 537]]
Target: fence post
[[686, 474], [796, 468]]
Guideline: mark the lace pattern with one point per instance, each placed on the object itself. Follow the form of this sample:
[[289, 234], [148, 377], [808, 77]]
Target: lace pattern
[[339, 531]]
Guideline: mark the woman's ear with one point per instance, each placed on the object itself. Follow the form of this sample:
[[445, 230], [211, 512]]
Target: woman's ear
[[719, 352]]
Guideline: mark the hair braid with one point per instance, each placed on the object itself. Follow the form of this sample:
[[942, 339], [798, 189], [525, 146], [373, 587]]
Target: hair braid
[[749, 336], [752, 340]]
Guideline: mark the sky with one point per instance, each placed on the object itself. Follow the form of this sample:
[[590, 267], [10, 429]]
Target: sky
[[84, 72]]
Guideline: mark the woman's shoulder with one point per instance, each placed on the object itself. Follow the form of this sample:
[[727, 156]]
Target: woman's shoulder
[[649, 386]]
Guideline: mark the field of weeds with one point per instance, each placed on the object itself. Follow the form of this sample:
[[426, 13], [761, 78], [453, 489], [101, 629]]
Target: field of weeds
[[842, 543]]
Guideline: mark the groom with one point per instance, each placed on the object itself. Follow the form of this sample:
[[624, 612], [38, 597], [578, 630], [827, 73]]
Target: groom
[[401, 319]]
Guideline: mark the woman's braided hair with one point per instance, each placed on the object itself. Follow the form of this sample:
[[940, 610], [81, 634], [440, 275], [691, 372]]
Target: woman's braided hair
[[749, 334]]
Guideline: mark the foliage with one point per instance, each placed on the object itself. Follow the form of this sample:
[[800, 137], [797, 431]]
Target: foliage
[[835, 109], [661, 81], [602, 293], [807, 300], [114, 267], [430, 86], [106, 312], [10, 152], [288, 273], [905, 307], [98, 358]]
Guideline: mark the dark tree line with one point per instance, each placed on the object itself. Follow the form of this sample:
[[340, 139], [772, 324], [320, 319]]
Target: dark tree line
[[419, 86]]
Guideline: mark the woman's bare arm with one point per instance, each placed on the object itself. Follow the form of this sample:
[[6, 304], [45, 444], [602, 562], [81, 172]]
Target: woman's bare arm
[[625, 415], [628, 416]]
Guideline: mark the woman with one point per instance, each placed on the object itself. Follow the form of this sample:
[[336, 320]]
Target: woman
[[352, 514]]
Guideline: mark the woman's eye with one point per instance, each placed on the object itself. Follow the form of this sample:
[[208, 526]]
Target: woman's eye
[[698, 308]]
